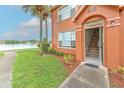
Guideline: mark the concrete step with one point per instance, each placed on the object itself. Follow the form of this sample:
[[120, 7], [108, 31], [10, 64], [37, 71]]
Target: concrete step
[[96, 48], [93, 45], [91, 48], [94, 56], [94, 38], [93, 53]]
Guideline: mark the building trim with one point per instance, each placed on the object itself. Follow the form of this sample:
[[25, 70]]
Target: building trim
[[65, 48], [121, 7], [115, 18], [118, 24], [78, 30], [79, 26]]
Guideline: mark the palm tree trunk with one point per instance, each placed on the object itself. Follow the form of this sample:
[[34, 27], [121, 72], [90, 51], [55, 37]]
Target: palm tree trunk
[[41, 20], [46, 29]]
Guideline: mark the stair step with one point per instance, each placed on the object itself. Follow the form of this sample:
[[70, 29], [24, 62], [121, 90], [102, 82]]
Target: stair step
[[92, 56], [93, 45], [94, 38], [93, 53], [95, 56], [91, 48]]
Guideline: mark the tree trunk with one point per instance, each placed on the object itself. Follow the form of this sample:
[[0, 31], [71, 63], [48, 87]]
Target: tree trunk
[[41, 30], [46, 29]]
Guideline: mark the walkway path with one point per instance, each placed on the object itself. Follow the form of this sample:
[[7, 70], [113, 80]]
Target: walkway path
[[6, 69], [87, 76]]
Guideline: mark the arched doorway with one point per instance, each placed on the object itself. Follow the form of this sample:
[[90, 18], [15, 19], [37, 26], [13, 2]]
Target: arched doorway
[[94, 41]]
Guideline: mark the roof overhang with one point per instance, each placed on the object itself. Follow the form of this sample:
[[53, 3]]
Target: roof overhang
[[78, 13], [55, 7], [121, 7], [83, 7]]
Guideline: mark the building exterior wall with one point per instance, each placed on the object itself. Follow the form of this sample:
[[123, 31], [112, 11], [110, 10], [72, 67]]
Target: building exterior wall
[[122, 38], [111, 28], [79, 44], [61, 26], [112, 46], [111, 49]]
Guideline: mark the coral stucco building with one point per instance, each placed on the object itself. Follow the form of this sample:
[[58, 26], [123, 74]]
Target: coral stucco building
[[93, 33]]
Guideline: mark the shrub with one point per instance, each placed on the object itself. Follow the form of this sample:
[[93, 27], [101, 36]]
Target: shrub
[[68, 58], [121, 70], [114, 85], [39, 45], [43, 46], [71, 57], [113, 70], [52, 51], [59, 53]]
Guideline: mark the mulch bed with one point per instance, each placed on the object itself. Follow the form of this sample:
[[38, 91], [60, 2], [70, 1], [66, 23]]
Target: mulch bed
[[69, 67], [116, 80]]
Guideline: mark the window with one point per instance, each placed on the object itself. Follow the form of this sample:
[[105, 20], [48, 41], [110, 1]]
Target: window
[[66, 12], [67, 39]]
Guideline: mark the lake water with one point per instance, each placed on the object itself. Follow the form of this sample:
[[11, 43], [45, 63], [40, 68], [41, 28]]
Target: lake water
[[16, 46]]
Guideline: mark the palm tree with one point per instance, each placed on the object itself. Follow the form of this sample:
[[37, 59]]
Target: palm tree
[[45, 18], [41, 11], [47, 9]]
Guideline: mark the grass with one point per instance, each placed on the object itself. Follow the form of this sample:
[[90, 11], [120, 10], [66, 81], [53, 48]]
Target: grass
[[34, 71], [1, 54]]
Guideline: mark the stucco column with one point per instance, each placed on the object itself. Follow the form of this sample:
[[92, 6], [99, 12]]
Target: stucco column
[[79, 43], [112, 38], [122, 38]]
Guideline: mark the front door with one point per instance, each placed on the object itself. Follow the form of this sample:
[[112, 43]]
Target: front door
[[94, 45]]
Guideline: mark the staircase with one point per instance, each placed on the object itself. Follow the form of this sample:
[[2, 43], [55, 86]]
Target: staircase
[[93, 49]]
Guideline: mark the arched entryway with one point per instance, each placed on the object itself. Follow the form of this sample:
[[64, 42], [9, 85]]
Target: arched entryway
[[110, 32], [93, 29]]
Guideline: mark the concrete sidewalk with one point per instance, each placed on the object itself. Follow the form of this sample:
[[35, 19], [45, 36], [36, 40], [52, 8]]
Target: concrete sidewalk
[[87, 76], [6, 69]]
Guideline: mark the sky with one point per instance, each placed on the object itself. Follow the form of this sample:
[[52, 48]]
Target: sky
[[18, 25]]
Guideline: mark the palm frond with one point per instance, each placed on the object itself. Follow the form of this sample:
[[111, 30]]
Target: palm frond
[[34, 9]]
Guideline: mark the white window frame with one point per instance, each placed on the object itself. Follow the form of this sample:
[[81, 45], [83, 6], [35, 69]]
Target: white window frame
[[65, 32], [58, 20]]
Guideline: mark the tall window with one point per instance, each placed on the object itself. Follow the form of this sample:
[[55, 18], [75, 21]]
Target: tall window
[[66, 12], [67, 39]]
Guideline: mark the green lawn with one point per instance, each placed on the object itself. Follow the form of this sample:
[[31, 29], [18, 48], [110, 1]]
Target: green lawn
[[32, 71], [1, 54]]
